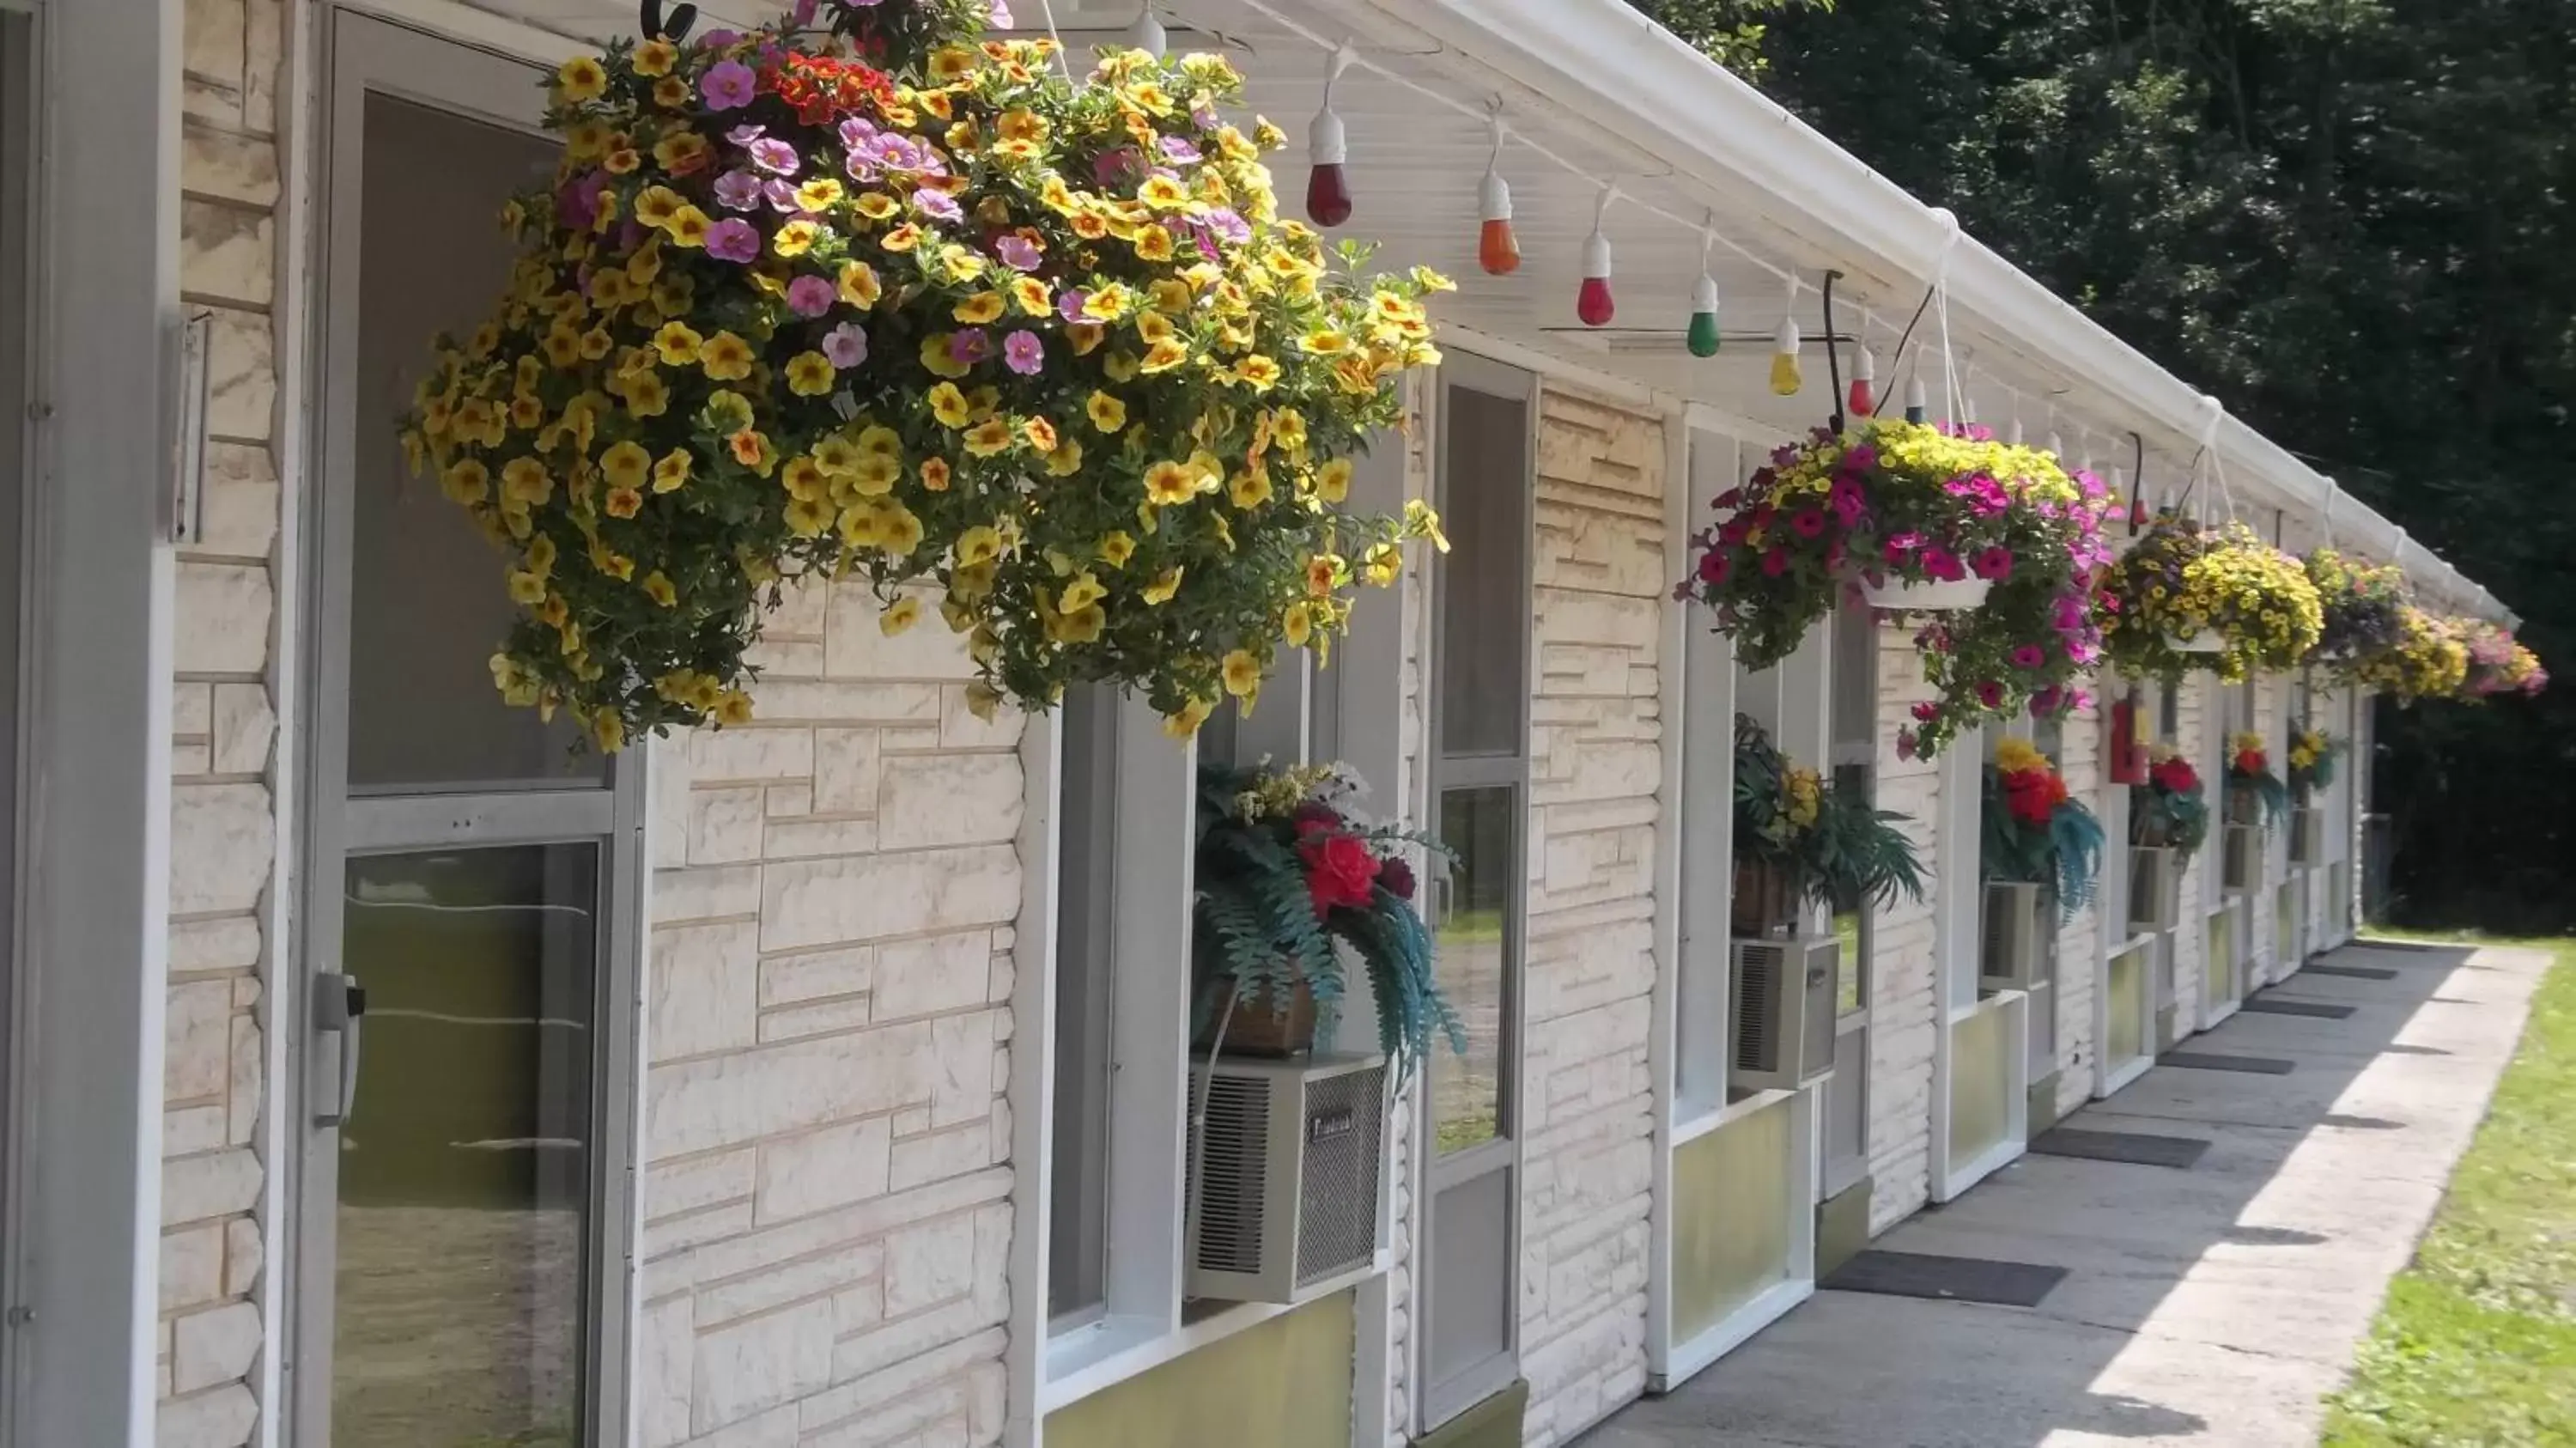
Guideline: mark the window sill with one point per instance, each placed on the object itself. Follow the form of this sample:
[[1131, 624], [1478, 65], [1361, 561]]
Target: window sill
[[1103, 1354], [1702, 1122]]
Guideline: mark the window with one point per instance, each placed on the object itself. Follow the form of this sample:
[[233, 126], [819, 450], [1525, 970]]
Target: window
[[1853, 704], [1077, 1226], [472, 883]]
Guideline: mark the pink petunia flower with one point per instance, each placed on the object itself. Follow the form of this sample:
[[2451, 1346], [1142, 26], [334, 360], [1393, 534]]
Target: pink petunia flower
[[1990, 694], [1775, 561], [2028, 656], [1807, 523], [738, 190], [1023, 353], [810, 296], [846, 345], [1995, 563], [1940, 563], [729, 85], [1018, 253], [733, 239], [774, 156]]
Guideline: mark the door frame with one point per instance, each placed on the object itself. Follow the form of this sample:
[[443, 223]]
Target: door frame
[[85, 1174], [1435, 1404], [363, 53]]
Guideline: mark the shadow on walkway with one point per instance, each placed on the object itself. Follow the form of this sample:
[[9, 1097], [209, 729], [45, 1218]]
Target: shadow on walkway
[[2209, 1306]]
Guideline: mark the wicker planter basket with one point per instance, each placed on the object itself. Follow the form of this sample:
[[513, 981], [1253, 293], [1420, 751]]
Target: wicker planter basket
[[1765, 902], [1262, 1025]]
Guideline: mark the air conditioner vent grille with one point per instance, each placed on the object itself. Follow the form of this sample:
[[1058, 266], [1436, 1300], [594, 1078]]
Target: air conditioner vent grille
[[1337, 1200], [1757, 1007], [1234, 1166]]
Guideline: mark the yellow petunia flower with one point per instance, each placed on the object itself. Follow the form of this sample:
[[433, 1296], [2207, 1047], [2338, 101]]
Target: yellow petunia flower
[[677, 344], [986, 438], [899, 615], [820, 194], [581, 78], [657, 587], [672, 472], [1165, 584], [948, 405], [1186, 723], [934, 475], [1333, 481], [795, 238], [810, 374], [1242, 673], [654, 58], [978, 309], [1107, 413], [625, 465], [725, 357]]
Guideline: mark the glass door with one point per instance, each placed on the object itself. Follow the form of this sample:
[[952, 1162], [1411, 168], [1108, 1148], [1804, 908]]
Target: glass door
[[469, 913], [1479, 783]]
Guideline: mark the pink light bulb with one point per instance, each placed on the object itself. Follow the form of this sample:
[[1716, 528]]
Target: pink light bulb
[[1593, 303], [1862, 403]]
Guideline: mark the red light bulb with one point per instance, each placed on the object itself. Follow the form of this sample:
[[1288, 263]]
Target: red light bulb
[[1328, 190], [1593, 303], [1863, 398], [1497, 250]]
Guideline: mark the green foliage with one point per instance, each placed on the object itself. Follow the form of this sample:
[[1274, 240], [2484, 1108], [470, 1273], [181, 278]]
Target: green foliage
[[1836, 846], [1263, 926], [2476, 1343], [2064, 854], [2351, 219], [2167, 818]]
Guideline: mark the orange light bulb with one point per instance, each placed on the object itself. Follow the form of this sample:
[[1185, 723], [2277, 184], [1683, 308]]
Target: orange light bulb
[[1497, 250]]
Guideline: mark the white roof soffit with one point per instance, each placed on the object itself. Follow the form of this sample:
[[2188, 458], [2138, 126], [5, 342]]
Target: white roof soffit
[[1584, 70]]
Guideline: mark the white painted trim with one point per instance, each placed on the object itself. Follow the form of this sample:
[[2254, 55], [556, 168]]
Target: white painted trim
[[1686, 1132], [483, 29], [104, 310], [1687, 1361], [1664, 1003], [1131, 1352], [1031, 1093], [1457, 336]]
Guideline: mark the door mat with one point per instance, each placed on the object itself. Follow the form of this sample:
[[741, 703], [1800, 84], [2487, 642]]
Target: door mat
[[2135, 1147], [2208, 1061], [2265, 1005], [1947, 1279], [2355, 972]]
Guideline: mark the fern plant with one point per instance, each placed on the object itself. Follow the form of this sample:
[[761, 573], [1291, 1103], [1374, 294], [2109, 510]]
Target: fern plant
[[1292, 880], [2170, 810], [1834, 845]]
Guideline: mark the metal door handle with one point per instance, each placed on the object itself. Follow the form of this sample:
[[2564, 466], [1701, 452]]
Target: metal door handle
[[339, 1008]]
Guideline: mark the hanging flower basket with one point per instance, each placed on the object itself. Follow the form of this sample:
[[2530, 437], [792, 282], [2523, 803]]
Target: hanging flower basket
[[1994, 546], [2362, 610], [2255, 795], [1937, 596], [2429, 661], [870, 297], [2498, 664], [2313, 753], [2186, 597]]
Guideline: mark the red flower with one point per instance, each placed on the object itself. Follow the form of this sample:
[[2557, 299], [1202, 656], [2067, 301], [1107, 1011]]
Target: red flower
[[1339, 868], [1397, 877], [1713, 566], [2175, 776], [2249, 761]]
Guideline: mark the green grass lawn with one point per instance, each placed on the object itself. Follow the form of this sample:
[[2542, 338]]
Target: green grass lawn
[[2476, 1345]]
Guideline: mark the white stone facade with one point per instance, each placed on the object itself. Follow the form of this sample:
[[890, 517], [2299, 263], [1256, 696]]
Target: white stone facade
[[2079, 936], [217, 1145], [1596, 762], [1904, 988]]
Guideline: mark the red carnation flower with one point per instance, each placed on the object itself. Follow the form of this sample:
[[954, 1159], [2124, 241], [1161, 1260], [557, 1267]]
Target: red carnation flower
[[1339, 869]]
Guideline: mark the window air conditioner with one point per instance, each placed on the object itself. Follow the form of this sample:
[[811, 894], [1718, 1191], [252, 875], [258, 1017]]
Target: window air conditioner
[[1783, 1005], [2242, 856], [2307, 836], [2155, 887], [2016, 930], [1285, 1204]]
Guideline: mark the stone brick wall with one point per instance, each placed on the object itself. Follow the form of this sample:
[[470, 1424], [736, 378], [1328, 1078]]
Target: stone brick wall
[[2079, 937], [2271, 703], [1904, 1004], [1596, 737], [827, 1223], [216, 1137], [2192, 702]]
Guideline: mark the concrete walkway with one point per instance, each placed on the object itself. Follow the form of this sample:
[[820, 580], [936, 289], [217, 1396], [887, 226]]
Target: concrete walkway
[[2210, 1306]]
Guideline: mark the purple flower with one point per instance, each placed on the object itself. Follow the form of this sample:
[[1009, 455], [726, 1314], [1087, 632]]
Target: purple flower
[[1995, 563], [998, 16], [846, 345], [1024, 353], [1180, 152], [746, 133], [1990, 693], [738, 190], [1807, 523], [857, 131], [937, 205], [720, 39], [781, 194], [1069, 303], [577, 203], [775, 157], [810, 296], [970, 345], [1784, 456], [2027, 656], [1905, 744], [728, 85], [733, 239], [1204, 117], [1860, 459], [1017, 252], [1229, 226], [1115, 169], [2047, 701]]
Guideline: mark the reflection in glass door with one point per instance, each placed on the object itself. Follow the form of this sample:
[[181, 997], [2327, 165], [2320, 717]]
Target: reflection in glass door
[[470, 915], [1479, 779]]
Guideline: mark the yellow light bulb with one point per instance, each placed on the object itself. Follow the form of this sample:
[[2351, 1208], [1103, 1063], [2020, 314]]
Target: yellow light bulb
[[1785, 379]]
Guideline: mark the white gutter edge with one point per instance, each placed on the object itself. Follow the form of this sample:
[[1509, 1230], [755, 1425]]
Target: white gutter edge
[[1631, 75]]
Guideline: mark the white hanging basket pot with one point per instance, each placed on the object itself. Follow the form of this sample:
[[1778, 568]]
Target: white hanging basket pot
[[1935, 596], [2200, 641]]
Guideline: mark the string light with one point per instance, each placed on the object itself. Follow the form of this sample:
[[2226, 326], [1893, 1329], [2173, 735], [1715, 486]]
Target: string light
[[1147, 34], [1785, 376], [1862, 400], [1497, 250], [1917, 409], [1328, 188], [1703, 337], [1592, 301]]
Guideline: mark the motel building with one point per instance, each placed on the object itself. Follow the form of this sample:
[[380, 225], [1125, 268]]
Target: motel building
[[379, 1072]]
